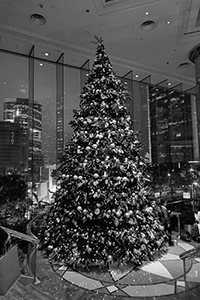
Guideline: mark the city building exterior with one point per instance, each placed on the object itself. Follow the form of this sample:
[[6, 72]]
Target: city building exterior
[[172, 127], [29, 120], [13, 147]]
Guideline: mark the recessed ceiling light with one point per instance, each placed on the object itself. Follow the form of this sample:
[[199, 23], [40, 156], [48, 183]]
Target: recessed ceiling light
[[41, 65], [168, 22], [148, 25], [136, 75], [37, 19], [169, 83], [146, 13], [46, 54]]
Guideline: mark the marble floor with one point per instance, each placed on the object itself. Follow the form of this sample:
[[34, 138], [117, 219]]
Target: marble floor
[[161, 278]]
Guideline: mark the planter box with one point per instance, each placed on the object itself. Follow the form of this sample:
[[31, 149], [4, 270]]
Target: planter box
[[9, 270]]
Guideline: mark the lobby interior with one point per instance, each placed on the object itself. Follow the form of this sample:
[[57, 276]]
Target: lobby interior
[[46, 51]]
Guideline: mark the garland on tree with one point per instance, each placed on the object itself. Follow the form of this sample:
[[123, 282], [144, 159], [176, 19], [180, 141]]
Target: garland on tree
[[103, 210]]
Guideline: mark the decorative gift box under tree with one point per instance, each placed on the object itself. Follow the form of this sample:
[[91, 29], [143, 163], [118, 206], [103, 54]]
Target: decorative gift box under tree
[[103, 211]]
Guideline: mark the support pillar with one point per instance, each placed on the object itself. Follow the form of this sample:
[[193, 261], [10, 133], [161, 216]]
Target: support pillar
[[194, 57]]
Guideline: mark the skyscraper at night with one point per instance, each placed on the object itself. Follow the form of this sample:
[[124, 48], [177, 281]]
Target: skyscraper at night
[[29, 118], [13, 147], [172, 127]]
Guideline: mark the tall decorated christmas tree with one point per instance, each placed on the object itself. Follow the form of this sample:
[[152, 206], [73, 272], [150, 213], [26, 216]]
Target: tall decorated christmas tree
[[103, 211]]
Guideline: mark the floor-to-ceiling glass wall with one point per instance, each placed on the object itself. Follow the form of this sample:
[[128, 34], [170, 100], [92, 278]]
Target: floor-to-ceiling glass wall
[[13, 123], [165, 119], [72, 90]]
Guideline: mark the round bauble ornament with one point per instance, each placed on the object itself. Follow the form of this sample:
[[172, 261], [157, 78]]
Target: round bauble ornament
[[79, 208], [131, 221], [85, 211], [116, 222], [110, 258], [127, 215], [63, 176], [118, 213], [85, 122], [87, 148], [96, 175], [118, 178], [97, 211], [112, 145], [89, 249], [75, 177], [94, 146], [125, 179], [80, 177]]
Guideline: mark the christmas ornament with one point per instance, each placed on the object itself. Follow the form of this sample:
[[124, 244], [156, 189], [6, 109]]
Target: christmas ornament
[[118, 213], [97, 211]]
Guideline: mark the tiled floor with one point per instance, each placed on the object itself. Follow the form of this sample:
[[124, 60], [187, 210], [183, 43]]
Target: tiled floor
[[162, 278], [116, 284]]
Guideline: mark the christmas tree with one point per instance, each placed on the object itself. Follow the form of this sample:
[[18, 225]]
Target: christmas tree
[[103, 209]]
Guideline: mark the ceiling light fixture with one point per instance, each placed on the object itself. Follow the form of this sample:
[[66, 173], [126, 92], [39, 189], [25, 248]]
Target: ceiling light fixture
[[41, 65], [169, 83], [37, 19], [148, 25], [168, 22], [136, 75], [46, 54], [147, 13]]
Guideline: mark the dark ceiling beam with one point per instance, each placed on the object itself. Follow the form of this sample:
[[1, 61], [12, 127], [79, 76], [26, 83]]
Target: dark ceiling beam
[[144, 79]]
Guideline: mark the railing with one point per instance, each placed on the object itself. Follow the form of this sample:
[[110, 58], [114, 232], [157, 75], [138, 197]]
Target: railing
[[188, 255], [32, 249]]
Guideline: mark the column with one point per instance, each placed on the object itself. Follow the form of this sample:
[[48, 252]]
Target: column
[[194, 57]]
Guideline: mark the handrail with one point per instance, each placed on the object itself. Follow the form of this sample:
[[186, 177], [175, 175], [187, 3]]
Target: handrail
[[31, 255], [20, 235], [189, 253], [32, 252]]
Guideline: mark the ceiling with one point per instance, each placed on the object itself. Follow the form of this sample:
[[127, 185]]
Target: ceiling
[[70, 27]]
